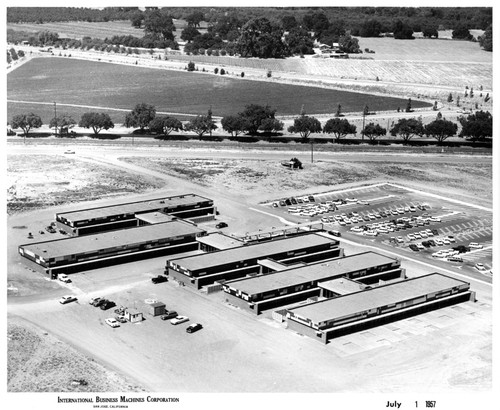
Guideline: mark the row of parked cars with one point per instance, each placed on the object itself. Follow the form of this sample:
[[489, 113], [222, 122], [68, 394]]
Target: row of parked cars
[[294, 201], [176, 319]]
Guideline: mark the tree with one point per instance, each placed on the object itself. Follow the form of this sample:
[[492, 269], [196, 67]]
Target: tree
[[461, 33], [450, 98], [486, 40], [289, 22], [195, 18], [299, 41], [349, 44], [261, 38], [159, 24], [338, 113], [271, 125], [402, 31], [373, 131], [408, 106], [370, 28], [140, 116], [26, 122], [407, 128], [254, 115], [136, 19], [189, 33], [97, 121], [201, 125], [440, 129], [430, 30], [478, 126], [234, 124], [305, 125], [191, 66], [164, 125], [63, 122], [13, 54], [339, 128]]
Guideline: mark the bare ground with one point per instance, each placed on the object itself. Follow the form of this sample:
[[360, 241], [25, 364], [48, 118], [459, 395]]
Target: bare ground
[[39, 362], [261, 178], [38, 181]]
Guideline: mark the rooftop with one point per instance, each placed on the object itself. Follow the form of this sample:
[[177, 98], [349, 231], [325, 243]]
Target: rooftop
[[123, 237], [342, 286], [132, 208], [220, 241], [256, 251], [313, 272], [155, 217], [375, 297]]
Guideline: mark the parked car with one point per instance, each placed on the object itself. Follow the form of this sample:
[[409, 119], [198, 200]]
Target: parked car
[[99, 301], [194, 327], [455, 259], [221, 225], [159, 279], [107, 305], [169, 315], [475, 245], [121, 319], [94, 300], [64, 278], [179, 319], [67, 299], [69, 151], [413, 247], [480, 266], [112, 322]]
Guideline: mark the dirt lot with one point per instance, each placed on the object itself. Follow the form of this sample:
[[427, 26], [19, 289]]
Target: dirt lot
[[39, 362], [65, 180]]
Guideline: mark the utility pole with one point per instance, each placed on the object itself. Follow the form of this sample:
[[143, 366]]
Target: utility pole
[[55, 116], [363, 130]]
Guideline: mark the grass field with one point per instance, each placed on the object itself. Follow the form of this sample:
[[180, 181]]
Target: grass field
[[80, 29], [71, 81]]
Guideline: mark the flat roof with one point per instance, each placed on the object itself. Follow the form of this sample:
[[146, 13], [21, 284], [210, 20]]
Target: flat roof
[[220, 241], [123, 237], [314, 272], [255, 251], [131, 207], [155, 217], [342, 286], [375, 297]]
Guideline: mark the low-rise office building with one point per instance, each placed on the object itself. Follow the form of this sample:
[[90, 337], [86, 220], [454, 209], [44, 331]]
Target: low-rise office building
[[107, 218], [326, 319], [109, 248], [288, 286], [201, 270]]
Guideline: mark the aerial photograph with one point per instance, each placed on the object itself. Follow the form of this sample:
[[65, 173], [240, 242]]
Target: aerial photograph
[[265, 205]]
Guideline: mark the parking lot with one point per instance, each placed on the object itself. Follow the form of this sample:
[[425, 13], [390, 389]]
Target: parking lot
[[427, 226]]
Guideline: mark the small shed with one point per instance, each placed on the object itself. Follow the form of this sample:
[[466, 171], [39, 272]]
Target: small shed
[[156, 309], [133, 315]]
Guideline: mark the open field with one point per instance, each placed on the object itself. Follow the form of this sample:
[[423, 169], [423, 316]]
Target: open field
[[39, 362], [65, 180], [454, 73], [80, 29], [254, 178], [70, 81]]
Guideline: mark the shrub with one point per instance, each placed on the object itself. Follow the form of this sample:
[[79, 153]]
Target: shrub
[[242, 74], [269, 73], [222, 71], [216, 70]]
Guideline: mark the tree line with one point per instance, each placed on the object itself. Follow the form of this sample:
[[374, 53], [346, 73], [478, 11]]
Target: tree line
[[255, 119], [264, 34], [448, 18]]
